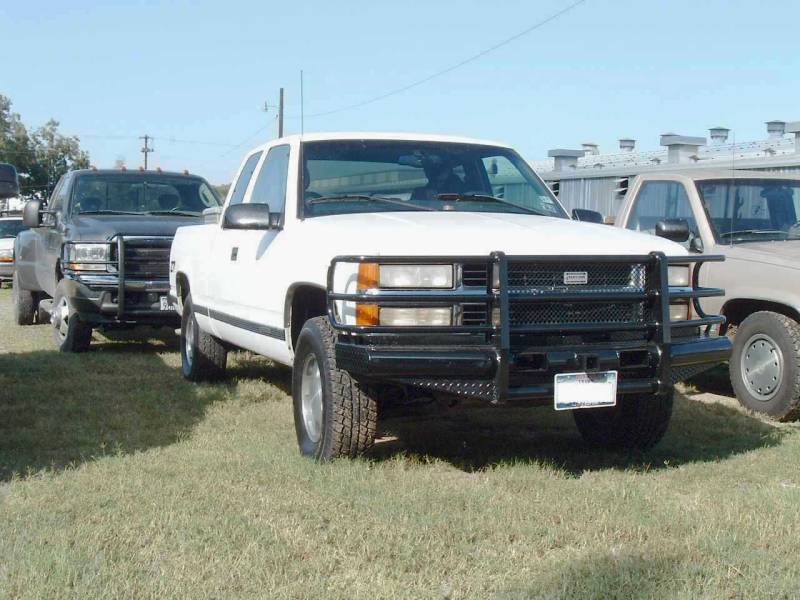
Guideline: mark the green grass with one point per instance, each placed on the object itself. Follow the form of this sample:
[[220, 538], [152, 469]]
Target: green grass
[[119, 479]]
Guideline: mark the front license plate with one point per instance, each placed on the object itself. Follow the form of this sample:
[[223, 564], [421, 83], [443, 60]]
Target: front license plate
[[164, 300], [585, 390]]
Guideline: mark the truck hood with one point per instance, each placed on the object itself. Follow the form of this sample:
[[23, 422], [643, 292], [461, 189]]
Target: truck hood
[[473, 234], [784, 254], [104, 227]]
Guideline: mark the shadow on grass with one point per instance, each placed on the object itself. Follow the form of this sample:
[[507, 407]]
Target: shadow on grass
[[477, 438], [713, 381], [58, 410]]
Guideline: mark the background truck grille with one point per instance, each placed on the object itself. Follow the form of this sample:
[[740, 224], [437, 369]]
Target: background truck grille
[[147, 258]]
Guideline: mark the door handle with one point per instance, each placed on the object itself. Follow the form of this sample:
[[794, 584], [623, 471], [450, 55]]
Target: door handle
[[234, 253]]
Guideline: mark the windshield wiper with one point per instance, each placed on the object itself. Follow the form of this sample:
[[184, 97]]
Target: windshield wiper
[[753, 232], [367, 198], [180, 213], [483, 198], [109, 212]]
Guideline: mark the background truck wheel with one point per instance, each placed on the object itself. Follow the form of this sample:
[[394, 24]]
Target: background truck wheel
[[765, 365], [24, 303], [70, 333], [203, 358], [637, 422], [334, 415]]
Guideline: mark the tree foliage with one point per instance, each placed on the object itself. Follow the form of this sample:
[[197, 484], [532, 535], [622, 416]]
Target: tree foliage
[[41, 156]]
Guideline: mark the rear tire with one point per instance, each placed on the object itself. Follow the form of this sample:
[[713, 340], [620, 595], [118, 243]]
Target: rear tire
[[203, 358], [24, 303], [765, 365], [70, 332], [637, 422], [335, 415]]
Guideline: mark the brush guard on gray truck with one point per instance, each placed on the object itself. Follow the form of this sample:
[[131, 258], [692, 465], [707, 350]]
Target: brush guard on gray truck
[[130, 289], [518, 326]]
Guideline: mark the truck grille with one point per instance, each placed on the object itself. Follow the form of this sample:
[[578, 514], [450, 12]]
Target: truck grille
[[147, 258], [553, 313], [599, 277]]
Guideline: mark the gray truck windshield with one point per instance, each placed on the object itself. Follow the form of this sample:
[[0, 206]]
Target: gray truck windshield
[[340, 176], [750, 210], [141, 194]]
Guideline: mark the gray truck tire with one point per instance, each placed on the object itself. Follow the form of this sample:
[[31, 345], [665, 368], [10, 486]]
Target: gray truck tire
[[637, 422], [24, 303], [765, 365], [70, 332], [203, 358], [335, 416]]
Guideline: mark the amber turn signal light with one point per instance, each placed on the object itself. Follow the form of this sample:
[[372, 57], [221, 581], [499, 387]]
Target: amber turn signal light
[[368, 276], [368, 314]]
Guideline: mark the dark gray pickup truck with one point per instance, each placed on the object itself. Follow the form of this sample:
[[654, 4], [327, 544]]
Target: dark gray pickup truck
[[97, 254]]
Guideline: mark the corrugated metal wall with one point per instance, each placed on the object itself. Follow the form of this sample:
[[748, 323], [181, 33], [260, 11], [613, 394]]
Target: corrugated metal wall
[[595, 194]]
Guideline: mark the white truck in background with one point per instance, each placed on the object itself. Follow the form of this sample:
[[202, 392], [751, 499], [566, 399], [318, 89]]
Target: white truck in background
[[435, 265]]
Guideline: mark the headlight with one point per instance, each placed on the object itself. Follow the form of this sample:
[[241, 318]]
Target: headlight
[[679, 311], [679, 276], [372, 314], [372, 275], [87, 257], [7, 255]]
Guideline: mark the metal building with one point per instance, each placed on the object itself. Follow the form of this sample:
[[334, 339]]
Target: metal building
[[587, 179]]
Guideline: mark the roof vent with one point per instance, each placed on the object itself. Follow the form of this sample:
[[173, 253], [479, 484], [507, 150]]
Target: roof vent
[[794, 127], [627, 144], [681, 148], [776, 129], [719, 135], [590, 148], [564, 158]]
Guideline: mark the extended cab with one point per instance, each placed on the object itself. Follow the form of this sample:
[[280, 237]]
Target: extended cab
[[97, 255], [374, 264], [753, 219]]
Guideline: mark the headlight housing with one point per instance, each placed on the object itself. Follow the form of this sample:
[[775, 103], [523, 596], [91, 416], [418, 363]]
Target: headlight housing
[[82, 256], [7, 255], [397, 276], [679, 276]]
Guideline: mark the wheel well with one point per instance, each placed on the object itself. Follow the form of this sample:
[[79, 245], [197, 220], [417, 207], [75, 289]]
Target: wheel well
[[182, 285], [738, 310], [304, 302]]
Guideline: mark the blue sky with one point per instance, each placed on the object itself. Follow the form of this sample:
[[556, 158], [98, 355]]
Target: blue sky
[[200, 71]]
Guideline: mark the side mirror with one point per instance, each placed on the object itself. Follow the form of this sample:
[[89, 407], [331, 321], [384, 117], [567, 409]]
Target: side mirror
[[676, 230], [247, 216], [32, 213], [211, 215], [586, 215], [9, 183]]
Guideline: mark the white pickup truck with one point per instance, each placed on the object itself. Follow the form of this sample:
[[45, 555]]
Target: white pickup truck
[[431, 265]]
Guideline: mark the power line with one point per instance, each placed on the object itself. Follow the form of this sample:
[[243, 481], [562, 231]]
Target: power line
[[451, 68]]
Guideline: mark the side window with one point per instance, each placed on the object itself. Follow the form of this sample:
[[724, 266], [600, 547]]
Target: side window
[[270, 186], [244, 178], [59, 199], [659, 200]]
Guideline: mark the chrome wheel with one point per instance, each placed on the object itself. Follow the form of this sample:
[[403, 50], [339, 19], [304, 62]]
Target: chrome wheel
[[60, 318], [188, 340], [762, 366], [311, 398]]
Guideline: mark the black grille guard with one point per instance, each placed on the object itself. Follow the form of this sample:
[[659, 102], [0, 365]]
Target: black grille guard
[[657, 293]]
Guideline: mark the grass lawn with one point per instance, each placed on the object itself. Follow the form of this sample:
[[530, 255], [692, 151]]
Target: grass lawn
[[119, 479]]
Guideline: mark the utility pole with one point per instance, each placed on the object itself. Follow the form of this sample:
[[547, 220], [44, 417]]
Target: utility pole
[[280, 115], [146, 149]]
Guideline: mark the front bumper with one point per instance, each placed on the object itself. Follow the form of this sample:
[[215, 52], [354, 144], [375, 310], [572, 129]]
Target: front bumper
[[506, 361], [97, 299]]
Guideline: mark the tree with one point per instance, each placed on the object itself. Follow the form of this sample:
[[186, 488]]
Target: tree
[[41, 157]]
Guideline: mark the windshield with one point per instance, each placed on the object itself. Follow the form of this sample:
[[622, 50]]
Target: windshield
[[750, 210], [146, 193], [344, 176], [11, 228]]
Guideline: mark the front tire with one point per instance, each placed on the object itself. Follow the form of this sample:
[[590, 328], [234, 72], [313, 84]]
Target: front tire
[[70, 332], [335, 415], [203, 358], [765, 365], [637, 422], [24, 303]]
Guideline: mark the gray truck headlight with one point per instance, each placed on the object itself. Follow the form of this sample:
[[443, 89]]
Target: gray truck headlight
[[87, 256], [679, 276], [7, 255]]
